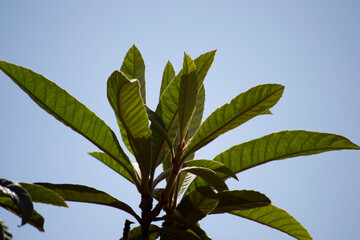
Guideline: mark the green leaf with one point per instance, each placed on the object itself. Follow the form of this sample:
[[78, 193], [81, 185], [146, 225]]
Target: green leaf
[[240, 200], [241, 109], [203, 64], [209, 176], [281, 145], [79, 193], [168, 76], [113, 164], [197, 204], [43, 195], [276, 218], [134, 68], [198, 113], [213, 165], [36, 219], [188, 94], [185, 182], [5, 233], [124, 97], [69, 111], [159, 126], [168, 105], [20, 198], [189, 224], [178, 234]]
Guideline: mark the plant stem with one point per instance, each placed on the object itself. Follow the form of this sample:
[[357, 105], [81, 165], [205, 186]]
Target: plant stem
[[127, 229]]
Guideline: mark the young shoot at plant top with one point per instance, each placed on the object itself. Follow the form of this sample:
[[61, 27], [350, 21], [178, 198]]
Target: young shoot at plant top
[[166, 137]]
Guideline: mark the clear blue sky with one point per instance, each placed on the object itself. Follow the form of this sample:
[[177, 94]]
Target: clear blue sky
[[311, 47]]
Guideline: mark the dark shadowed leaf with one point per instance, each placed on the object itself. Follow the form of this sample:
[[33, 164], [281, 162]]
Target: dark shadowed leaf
[[134, 68], [242, 108], [197, 204], [69, 111], [43, 195], [213, 165], [5, 233], [240, 200], [168, 76], [159, 126], [188, 94], [124, 97], [36, 219], [281, 145], [135, 233], [79, 193], [178, 234], [188, 224], [276, 218], [209, 176], [20, 198]]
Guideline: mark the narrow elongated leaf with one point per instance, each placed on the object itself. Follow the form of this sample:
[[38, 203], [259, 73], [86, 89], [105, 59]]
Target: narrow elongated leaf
[[124, 97], [188, 94], [186, 182], [203, 64], [197, 204], [79, 193], [209, 176], [189, 224], [168, 76], [240, 200], [198, 113], [5, 233], [134, 68], [242, 108], [43, 195], [158, 124], [20, 197], [276, 146], [113, 164], [213, 165], [281, 145], [36, 219], [69, 111], [276, 218], [168, 105]]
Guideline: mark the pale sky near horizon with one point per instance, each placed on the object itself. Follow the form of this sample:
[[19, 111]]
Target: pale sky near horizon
[[310, 47]]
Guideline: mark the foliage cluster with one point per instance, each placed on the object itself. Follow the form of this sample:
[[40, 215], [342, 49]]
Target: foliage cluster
[[167, 137]]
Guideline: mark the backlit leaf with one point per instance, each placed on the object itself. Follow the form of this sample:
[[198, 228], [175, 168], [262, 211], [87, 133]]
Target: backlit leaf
[[276, 218], [43, 195], [113, 164], [168, 105], [188, 94], [69, 111], [134, 68], [168, 76], [281, 145], [242, 108], [79, 193], [124, 97]]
